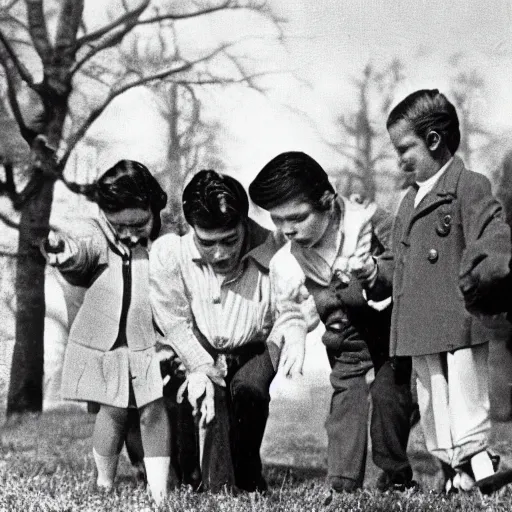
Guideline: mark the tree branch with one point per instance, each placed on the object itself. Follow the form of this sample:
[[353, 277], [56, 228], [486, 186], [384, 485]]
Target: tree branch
[[227, 4], [73, 140], [129, 18], [20, 67], [38, 30], [10, 5], [110, 41], [227, 81], [113, 40], [6, 17], [69, 21], [8, 222], [8, 187], [13, 100]]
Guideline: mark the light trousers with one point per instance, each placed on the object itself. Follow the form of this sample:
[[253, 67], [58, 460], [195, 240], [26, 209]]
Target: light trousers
[[453, 397]]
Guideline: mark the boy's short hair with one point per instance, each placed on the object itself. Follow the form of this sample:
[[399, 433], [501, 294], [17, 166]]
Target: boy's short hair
[[214, 201], [290, 175], [426, 110]]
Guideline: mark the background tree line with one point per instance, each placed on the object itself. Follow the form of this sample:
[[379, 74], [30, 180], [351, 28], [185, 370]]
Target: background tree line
[[60, 72]]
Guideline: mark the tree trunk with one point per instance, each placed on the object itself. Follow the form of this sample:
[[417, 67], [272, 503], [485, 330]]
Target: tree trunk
[[26, 384]]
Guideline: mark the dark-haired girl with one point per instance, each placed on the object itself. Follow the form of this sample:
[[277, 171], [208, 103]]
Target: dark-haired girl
[[111, 357]]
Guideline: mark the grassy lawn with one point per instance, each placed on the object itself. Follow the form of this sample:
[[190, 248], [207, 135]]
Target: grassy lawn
[[46, 465]]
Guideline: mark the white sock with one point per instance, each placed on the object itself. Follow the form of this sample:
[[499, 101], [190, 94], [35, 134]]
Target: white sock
[[157, 472], [107, 468], [481, 464]]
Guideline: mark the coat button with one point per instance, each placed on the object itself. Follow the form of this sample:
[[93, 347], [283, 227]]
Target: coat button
[[433, 256]]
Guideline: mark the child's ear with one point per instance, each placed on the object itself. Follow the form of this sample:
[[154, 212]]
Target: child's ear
[[433, 140]]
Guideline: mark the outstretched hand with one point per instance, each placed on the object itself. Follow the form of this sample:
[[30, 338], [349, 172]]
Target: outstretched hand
[[57, 248]]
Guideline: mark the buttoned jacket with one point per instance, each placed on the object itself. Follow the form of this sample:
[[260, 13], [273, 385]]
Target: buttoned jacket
[[456, 231]]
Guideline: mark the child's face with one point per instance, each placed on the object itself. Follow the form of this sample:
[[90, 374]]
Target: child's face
[[221, 248], [298, 220], [132, 225], [414, 156]]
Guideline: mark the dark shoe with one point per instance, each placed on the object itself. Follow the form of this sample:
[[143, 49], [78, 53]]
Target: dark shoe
[[495, 482], [140, 474], [340, 484], [343, 484], [399, 481], [449, 473], [259, 486], [491, 483]]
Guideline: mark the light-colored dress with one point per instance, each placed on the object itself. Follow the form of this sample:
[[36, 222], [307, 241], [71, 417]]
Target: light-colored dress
[[94, 370]]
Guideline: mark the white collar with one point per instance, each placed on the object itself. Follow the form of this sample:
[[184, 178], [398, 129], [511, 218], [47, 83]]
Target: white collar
[[430, 182]]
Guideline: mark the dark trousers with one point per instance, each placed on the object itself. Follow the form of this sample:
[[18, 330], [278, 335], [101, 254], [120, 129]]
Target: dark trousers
[[347, 421], [232, 442], [232, 445]]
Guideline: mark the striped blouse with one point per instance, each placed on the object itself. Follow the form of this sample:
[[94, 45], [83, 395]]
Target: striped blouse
[[228, 312]]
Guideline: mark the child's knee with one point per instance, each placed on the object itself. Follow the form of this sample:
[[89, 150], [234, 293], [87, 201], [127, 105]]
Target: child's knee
[[153, 414]]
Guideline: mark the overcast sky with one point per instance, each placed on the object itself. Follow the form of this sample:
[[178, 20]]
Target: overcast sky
[[335, 39], [330, 41]]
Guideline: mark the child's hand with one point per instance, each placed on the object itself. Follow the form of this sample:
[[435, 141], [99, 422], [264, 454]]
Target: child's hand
[[57, 249], [293, 351], [170, 364], [200, 394]]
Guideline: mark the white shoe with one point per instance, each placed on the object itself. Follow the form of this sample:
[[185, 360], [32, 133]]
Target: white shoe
[[157, 472]]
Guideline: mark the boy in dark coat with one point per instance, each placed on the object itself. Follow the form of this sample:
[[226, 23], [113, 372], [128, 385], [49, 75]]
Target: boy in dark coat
[[450, 263], [320, 229]]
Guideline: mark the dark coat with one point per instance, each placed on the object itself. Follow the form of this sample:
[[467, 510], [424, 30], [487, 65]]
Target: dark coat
[[450, 256], [364, 334]]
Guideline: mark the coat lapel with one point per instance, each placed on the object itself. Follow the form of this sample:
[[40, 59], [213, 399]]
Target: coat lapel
[[444, 191]]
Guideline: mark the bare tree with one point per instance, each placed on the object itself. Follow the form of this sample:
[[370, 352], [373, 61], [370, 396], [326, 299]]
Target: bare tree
[[55, 56], [468, 89], [193, 142], [363, 140], [194, 139]]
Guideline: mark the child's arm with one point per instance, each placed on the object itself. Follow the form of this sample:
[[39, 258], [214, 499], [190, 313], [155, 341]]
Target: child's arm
[[171, 306], [294, 312], [76, 259], [485, 265], [373, 261]]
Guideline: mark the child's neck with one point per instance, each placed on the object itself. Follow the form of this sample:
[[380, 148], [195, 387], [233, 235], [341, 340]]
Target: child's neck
[[437, 165]]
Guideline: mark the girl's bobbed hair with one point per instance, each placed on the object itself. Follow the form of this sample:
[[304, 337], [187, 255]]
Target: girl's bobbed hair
[[128, 184]]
